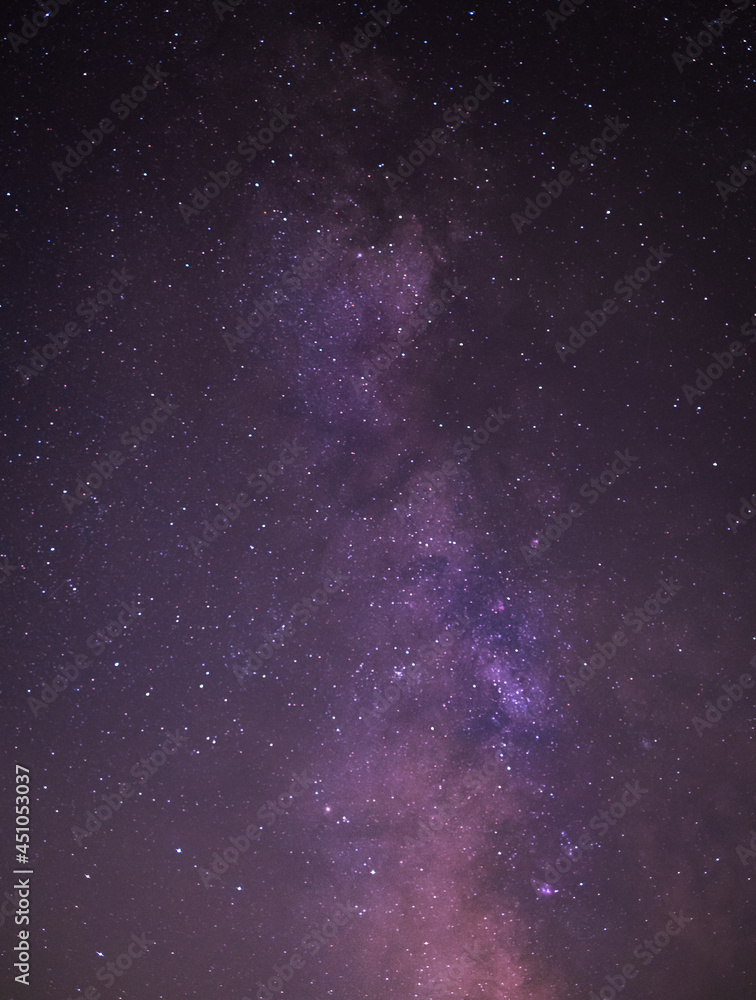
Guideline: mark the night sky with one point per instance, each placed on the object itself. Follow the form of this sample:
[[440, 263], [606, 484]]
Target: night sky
[[379, 501]]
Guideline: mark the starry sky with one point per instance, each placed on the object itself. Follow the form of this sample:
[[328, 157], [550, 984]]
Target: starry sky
[[377, 476]]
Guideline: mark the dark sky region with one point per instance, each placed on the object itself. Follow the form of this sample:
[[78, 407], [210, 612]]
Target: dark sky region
[[378, 486]]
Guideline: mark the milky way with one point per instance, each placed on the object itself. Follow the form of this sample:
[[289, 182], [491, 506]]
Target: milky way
[[379, 501]]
